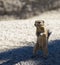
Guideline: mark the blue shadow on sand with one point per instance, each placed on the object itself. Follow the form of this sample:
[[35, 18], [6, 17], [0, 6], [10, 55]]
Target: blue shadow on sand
[[14, 56]]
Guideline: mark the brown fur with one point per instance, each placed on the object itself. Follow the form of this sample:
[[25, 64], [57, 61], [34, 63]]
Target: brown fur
[[42, 38]]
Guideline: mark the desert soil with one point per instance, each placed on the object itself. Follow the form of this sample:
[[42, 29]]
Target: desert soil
[[17, 39]]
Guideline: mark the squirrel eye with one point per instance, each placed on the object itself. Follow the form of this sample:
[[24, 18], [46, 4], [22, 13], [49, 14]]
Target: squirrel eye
[[39, 22]]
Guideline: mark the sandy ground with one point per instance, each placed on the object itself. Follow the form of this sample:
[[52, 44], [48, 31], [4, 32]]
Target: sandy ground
[[17, 39]]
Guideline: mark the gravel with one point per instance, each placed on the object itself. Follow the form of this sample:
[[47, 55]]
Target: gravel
[[17, 38]]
